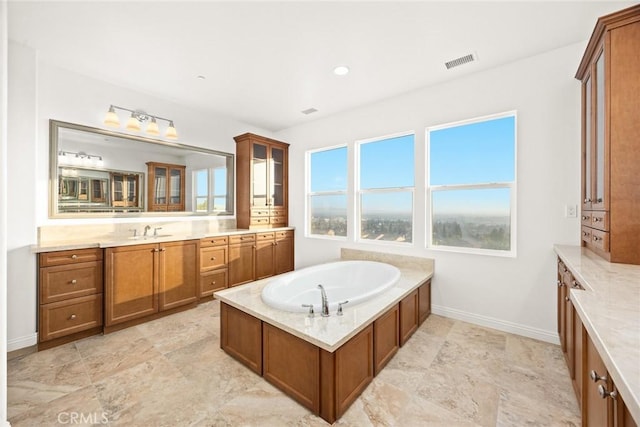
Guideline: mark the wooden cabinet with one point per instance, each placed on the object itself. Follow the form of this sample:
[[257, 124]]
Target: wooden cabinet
[[213, 265], [142, 280], [241, 337], [284, 251], [166, 183], [424, 301], [265, 255], [261, 182], [70, 292], [242, 254], [409, 308], [386, 337], [611, 138]]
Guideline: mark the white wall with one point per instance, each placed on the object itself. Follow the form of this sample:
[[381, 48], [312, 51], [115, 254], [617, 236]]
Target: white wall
[[39, 92], [512, 294], [3, 213]]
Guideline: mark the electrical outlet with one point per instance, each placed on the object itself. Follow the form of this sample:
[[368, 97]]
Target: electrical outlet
[[571, 211]]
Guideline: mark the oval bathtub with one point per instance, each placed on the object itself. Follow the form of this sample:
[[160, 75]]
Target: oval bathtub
[[356, 281]]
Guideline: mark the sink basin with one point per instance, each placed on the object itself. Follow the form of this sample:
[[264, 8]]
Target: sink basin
[[159, 236]]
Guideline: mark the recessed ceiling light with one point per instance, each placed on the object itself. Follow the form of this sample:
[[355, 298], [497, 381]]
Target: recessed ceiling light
[[309, 111], [341, 70], [201, 77]]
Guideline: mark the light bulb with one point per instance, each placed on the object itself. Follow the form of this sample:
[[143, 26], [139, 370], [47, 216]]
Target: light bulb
[[171, 131], [152, 127], [133, 124], [111, 119]]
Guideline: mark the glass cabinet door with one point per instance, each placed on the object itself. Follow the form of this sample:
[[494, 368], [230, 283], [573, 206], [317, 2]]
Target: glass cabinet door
[[599, 184], [587, 186], [160, 185], [277, 177], [175, 193], [259, 176]]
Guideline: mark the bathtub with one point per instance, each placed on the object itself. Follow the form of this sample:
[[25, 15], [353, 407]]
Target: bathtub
[[355, 281]]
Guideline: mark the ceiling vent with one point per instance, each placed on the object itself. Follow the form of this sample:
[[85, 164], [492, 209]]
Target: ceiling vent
[[459, 61], [308, 111]]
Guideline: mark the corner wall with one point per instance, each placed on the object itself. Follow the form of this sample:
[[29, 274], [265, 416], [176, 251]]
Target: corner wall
[[512, 294]]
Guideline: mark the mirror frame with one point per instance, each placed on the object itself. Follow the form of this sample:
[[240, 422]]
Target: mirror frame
[[54, 125]]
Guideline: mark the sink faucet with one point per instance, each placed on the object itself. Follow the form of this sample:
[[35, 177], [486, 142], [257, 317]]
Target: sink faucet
[[325, 303], [146, 229]]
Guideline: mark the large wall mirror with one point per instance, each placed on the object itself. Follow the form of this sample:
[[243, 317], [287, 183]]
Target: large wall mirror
[[95, 172]]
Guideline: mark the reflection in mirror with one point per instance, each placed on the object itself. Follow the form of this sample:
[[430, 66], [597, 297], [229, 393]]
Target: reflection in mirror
[[94, 171]]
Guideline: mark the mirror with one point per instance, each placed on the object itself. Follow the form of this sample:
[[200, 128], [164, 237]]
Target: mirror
[[95, 172]]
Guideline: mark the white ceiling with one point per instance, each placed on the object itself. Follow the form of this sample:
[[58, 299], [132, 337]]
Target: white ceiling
[[265, 62]]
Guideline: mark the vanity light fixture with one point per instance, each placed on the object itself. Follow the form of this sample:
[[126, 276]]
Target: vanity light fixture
[[80, 158], [134, 122]]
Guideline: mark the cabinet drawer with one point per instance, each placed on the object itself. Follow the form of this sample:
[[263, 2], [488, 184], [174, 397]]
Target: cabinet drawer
[[213, 257], [278, 220], [259, 220], [260, 237], [48, 259], [214, 241], [600, 240], [585, 218], [242, 238], [63, 318], [261, 212], [278, 212], [212, 281], [600, 220], [585, 234], [288, 234], [62, 282]]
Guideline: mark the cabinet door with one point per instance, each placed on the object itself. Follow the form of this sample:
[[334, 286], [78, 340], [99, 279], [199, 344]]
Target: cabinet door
[[596, 411], [587, 146], [130, 283], [159, 185], [284, 255], [600, 143], [277, 178], [570, 336], [175, 189], [178, 276], [259, 175], [424, 301], [265, 256], [408, 316], [241, 262]]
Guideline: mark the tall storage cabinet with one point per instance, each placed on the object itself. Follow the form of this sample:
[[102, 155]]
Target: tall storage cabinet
[[166, 187], [611, 138], [262, 182]]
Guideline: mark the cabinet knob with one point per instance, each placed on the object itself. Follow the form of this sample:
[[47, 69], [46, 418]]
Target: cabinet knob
[[584, 217], [163, 249], [596, 219], [74, 281], [599, 201], [74, 256], [566, 299], [604, 393], [213, 258], [559, 283], [575, 284], [72, 317], [213, 283], [595, 377], [596, 238]]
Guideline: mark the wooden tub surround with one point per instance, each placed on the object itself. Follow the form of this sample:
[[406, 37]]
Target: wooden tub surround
[[324, 363]]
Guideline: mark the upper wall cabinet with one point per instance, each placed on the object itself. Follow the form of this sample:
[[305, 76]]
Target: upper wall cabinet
[[611, 138], [95, 172], [262, 181]]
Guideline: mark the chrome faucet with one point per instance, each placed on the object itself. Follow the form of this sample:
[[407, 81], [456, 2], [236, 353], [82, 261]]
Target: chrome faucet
[[146, 229], [325, 303]]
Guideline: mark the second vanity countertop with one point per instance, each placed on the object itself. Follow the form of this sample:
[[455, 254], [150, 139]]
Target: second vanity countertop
[[609, 308], [328, 333], [112, 241]]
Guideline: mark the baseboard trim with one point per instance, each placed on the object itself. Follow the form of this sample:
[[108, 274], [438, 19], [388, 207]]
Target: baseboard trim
[[500, 325], [22, 342]]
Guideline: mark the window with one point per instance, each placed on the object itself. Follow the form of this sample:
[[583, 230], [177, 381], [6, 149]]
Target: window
[[210, 190], [385, 190], [471, 173], [327, 192]]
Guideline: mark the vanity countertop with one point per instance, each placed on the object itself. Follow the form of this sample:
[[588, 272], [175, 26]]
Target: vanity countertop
[[609, 308], [328, 333], [109, 241]]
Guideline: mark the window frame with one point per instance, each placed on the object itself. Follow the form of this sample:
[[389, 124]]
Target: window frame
[[210, 194], [511, 185], [359, 192], [309, 194]]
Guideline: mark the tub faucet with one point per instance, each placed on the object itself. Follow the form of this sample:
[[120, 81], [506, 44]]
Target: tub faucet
[[325, 303]]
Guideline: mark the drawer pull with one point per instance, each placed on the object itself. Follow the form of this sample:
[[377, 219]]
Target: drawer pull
[[74, 256], [74, 281], [584, 218], [584, 233], [595, 377], [596, 219], [604, 393], [575, 284], [213, 283], [566, 299], [72, 317], [599, 201], [559, 283], [213, 258], [596, 238]]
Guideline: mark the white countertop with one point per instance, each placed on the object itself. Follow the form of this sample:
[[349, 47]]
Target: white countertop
[[109, 241], [610, 311], [328, 333]]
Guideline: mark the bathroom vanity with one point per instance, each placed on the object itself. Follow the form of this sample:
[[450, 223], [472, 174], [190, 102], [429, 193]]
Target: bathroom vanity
[[325, 363]]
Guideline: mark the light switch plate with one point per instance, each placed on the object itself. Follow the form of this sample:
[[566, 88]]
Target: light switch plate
[[571, 211]]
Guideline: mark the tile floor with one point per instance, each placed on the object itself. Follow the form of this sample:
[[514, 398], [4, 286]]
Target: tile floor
[[171, 372]]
